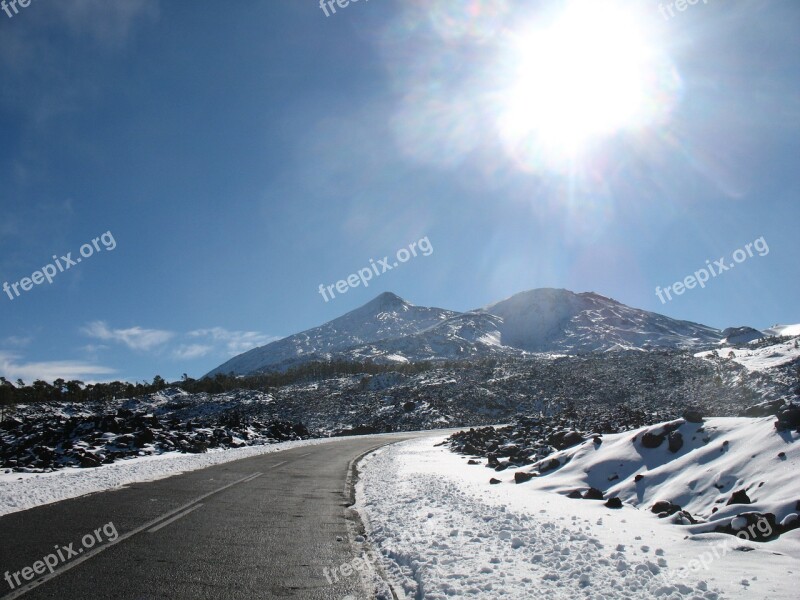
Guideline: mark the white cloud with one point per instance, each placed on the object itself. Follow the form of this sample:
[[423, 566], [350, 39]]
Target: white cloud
[[234, 342], [18, 341], [12, 370], [135, 338], [195, 344], [190, 351]]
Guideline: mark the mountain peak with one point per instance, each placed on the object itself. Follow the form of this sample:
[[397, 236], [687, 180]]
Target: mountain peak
[[387, 301], [539, 320]]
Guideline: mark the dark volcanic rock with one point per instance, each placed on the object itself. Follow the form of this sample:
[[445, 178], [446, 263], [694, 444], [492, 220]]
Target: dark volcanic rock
[[692, 415], [549, 465], [664, 508], [652, 440], [765, 409], [593, 494], [520, 477], [739, 497], [565, 439], [788, 418], [675, 440], [613, 502]]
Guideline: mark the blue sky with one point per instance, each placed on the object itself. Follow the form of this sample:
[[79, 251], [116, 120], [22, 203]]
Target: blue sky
[[241, 154]]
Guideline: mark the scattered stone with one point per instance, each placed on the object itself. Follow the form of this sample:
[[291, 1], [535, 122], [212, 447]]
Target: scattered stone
[[675, 440], [652, 440], [549, 465], [739, 497], [520, 477], [692, 415], [664, 508], [593, 494]]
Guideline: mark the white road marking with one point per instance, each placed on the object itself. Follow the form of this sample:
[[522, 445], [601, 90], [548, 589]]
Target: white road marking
[[175, 518], [44, 578], [279, 464]]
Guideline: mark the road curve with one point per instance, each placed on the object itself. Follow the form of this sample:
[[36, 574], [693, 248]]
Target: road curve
[[260, 527]]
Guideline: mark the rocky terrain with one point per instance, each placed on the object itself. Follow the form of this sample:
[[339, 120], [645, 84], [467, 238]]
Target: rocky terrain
[[43, 438], [722, 475], [389, 329], [594, 392]]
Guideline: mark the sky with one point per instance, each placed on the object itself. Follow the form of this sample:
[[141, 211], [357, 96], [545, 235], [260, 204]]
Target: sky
[[212, 164]]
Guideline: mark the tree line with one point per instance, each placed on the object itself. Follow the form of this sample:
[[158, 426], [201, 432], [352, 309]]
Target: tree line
[[77, 391]]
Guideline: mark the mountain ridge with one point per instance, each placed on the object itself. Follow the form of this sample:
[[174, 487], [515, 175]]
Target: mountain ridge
[[389, 328]]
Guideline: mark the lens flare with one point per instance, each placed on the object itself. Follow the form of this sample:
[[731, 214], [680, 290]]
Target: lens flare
[[583, 74]]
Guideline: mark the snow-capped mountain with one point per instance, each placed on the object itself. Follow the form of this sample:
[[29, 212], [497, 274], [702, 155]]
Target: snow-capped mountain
[[384, 318], [740, 335], [551, 320], [473, 334], [783, 330], [390, 329]]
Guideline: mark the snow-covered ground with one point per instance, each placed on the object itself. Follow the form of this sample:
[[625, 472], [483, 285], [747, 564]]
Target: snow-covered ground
[[448, 532], [21, 491], [760, 359]]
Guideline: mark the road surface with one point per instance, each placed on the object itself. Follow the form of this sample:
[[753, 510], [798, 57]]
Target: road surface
[[260, 527]]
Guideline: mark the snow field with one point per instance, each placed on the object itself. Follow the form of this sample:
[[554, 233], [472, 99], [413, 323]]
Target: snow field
[[444, 532]]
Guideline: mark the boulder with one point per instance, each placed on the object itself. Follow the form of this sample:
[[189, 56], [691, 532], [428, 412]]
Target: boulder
[[692, 415], [521, 477], [675, 440], [593, 494], [652, 440], [664, 508], [739, 497], [549, 465], [788, 418], [565, 439]]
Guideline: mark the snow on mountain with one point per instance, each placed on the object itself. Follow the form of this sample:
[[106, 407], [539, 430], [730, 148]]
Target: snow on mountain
[[465, 335], [390, 329], [386, 317], [759, 358], [783, 330], [552, 320], [714, 460], [740, 335]]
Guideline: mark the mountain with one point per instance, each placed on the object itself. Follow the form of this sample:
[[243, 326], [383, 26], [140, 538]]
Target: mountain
[[551, 320], [465, 335], [783, 330], [740, 335], [390, 329], [386, 317]]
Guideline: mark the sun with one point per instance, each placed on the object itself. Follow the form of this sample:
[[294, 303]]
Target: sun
[[587, 72]]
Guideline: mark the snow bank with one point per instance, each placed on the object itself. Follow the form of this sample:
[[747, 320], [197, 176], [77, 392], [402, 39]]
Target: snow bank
[[760, 359], [19, 491], [717, 458], [445, 531]]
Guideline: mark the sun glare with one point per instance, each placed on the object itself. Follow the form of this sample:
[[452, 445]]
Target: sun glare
[[589, 72]]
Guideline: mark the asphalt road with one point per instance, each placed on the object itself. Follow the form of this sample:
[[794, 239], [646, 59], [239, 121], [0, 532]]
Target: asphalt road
[[261, 527]]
